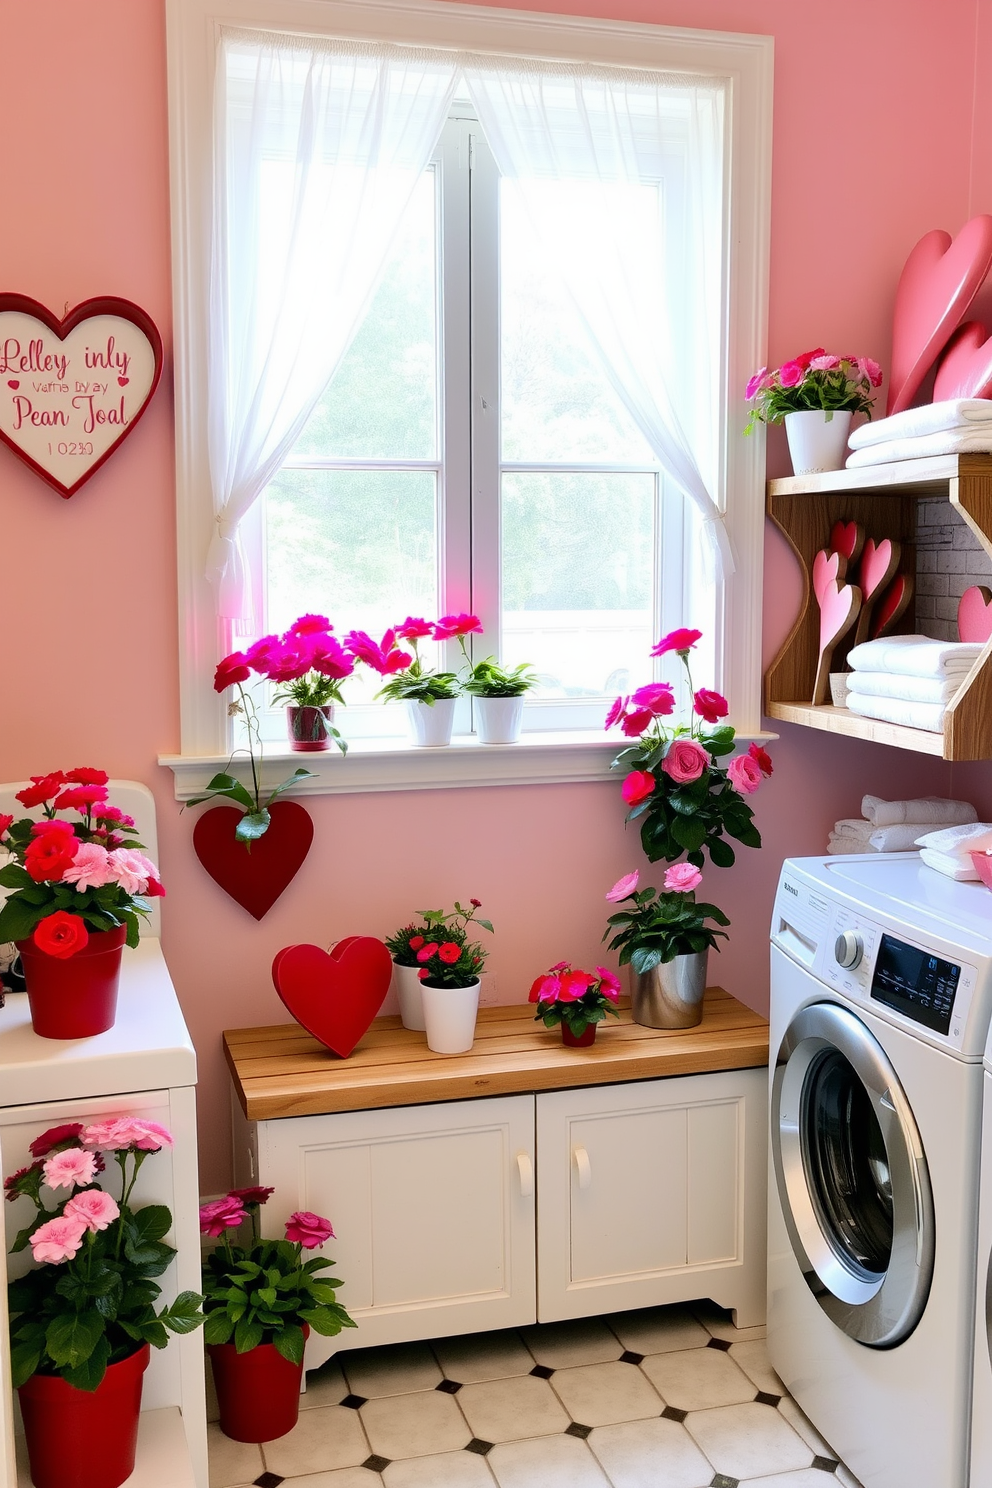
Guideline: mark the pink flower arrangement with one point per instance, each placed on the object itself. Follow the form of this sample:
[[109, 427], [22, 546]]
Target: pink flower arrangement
[[307, 663], [813, 380], [650, 928], [409, 678], [95, 857], [573, 997]]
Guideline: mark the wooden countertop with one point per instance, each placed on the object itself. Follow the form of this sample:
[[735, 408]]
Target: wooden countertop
[[284, 1071]]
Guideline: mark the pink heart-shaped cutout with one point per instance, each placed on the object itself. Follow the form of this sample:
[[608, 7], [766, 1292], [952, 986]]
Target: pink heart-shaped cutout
[[826, 568], [847, 538], [336, 996], [14, 382], [64, 420], [893, 605], [975, 615], [839, 608], [965, 369], [878, 563], [939, 280], [254, 879]]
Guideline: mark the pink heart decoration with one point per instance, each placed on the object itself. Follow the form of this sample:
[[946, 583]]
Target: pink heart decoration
[[847, 538], [336, 996], [965, 369], [254, 879], [839, 606], [975, 615], [878, 564], [827, 567], [939, 280], [893, 605]]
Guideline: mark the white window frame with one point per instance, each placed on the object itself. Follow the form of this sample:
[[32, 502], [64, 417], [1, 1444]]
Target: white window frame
[[746, 62]]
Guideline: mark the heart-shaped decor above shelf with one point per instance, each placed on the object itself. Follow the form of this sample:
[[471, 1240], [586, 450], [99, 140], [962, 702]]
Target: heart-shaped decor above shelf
[[72, 390], [254, 878], [334, 996], [965, 369]]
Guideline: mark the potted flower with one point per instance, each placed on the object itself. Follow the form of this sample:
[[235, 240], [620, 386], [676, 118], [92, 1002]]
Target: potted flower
[[309, 665], [666, 940], [450, 965], [436, 928], [261, 1301], [429, 695], [499, 698], [83, 1320], [80, 885], [816, 394], [576, 1000]]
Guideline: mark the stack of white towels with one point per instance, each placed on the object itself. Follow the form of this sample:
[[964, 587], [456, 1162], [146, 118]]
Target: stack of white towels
[[908, 679], [949, 851], [895, 826], [947, 428]]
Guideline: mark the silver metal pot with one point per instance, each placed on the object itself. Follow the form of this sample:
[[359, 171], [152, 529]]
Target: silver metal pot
[[671, 994]]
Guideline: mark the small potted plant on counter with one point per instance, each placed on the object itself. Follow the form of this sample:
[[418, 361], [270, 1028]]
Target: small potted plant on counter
[[499, 698], [666, 940], [83, 1320], [261, 1301], [577, 1000], [437, 928], [450, 965]]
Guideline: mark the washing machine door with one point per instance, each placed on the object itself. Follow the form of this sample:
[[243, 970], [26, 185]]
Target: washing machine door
[[852, 1176]]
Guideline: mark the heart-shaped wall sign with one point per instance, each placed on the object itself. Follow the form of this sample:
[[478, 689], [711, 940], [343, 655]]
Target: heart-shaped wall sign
[[257, 877], [334, 996], [939, 281], [975, 615], [965, 369], [839, 606], [892, 606], [847, 538], [71, 390], [827, 567]]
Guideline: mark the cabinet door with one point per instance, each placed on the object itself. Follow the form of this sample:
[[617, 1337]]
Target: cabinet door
[[652, 1192], [432, 1207]]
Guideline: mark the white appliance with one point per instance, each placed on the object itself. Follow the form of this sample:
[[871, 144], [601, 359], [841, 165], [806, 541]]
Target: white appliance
[[881, 991], [981, 1415]]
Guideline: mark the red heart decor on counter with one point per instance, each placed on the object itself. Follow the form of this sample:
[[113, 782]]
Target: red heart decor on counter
[[975, 615], [254, 879], [334, 996], [61, 417], [965, 369], [847, 538], [939, 280]]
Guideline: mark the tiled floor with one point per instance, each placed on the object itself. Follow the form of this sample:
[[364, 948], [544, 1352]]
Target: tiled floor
[[670, 1397]]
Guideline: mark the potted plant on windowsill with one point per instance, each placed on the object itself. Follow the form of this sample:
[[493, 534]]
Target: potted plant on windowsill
[[666, 940], [261, 1301], [575, 1000], [83, 1320], [816, 394], [499, 698], [79, 889], [309, 665], [429, 696]]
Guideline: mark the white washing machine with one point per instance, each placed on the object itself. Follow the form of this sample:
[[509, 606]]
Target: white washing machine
[[981, 1416], [881, 991]]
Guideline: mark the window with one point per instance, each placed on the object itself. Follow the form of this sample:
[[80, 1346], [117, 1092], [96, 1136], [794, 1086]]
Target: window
[[478, 446]]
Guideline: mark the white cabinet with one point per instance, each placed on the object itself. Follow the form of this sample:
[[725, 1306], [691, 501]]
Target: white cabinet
[[491, 1213]]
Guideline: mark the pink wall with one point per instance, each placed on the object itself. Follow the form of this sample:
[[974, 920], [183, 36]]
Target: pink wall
[[878, 137]]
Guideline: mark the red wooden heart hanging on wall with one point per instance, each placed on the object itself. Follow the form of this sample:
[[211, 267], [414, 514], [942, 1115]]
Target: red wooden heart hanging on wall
[[72, 390], [256, 878]]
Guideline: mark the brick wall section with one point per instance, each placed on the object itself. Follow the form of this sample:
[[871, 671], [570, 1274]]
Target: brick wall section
[[949, 559]]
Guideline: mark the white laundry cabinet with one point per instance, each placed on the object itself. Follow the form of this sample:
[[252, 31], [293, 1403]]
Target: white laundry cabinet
[[460, 1215]]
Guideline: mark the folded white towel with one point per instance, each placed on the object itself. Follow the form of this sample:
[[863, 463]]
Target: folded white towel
[[926, 716], [915, 656], [853, 826], [958, 842], [956, 442], [838, 846], [934, 810], [962, 870], [897, 839], [932, 418], [898, 685]]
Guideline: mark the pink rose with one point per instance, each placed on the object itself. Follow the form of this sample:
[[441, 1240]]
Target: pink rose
[[128, 1131], [871, 370], [790, 374], [220, 1215], [58, 1240], [681, 641], [682, 877], [308, 1230], [711, 706], [263, 654], [657, 696], [744, 774], [637, 787], [70, 1168], [685, 761], [94, 1208], [90, 868], [623, 887], [331, 659]]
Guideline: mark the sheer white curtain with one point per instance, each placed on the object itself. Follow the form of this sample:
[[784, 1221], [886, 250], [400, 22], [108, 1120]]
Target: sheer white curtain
[[622, 177], [317, 150]]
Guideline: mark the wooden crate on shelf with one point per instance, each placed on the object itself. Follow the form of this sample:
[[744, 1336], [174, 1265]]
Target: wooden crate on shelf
[[883, 498]]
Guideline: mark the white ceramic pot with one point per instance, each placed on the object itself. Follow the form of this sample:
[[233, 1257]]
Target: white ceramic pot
[[497, 720], [817, 439], [450, 1014], [406, 985], [430, 724]]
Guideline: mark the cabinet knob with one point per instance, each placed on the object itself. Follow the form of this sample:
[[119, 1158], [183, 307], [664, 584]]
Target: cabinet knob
[[583, 1165], [525, 1168]]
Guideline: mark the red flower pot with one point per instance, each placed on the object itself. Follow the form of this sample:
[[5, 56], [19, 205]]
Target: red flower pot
[[81, 1438], [578, 1040], [308, 728], [74, 997], [258, 1392]]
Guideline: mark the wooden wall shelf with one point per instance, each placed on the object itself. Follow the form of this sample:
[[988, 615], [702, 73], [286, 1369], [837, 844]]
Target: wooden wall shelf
[[883, 498]]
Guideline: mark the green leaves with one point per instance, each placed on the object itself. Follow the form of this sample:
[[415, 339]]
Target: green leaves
[[253, 824], [71, 1337], [265, 1294], [674, 925], [226, 785]]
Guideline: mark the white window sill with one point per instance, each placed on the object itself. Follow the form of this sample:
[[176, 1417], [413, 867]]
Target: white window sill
[[371, 765]]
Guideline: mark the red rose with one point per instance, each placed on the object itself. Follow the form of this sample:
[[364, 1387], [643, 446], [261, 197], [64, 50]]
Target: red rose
[[761, 758], [41, 789], [5, 822], [636, 722], [805, 357], [86, 776], [677, 640], [61, 935], [47, 857], [53, 825], [233, 668], [710, 705], [450, 952], [55, 1136], [416, 941], [637, 787], [308, 1229], [256, 1195]]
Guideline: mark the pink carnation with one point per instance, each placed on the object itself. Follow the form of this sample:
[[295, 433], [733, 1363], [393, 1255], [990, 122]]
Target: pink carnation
[[623, 887], [636, 722], [824, 363], [131, 869], [94, 1208], [744, 774], [308, 1230], [127, 1131], [609, 984], [657, 696], [70, 1168], [681, 641], [682, 877], [90, 869], [58, 1240], [790, 374], [310, 625], [222, 1214]]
